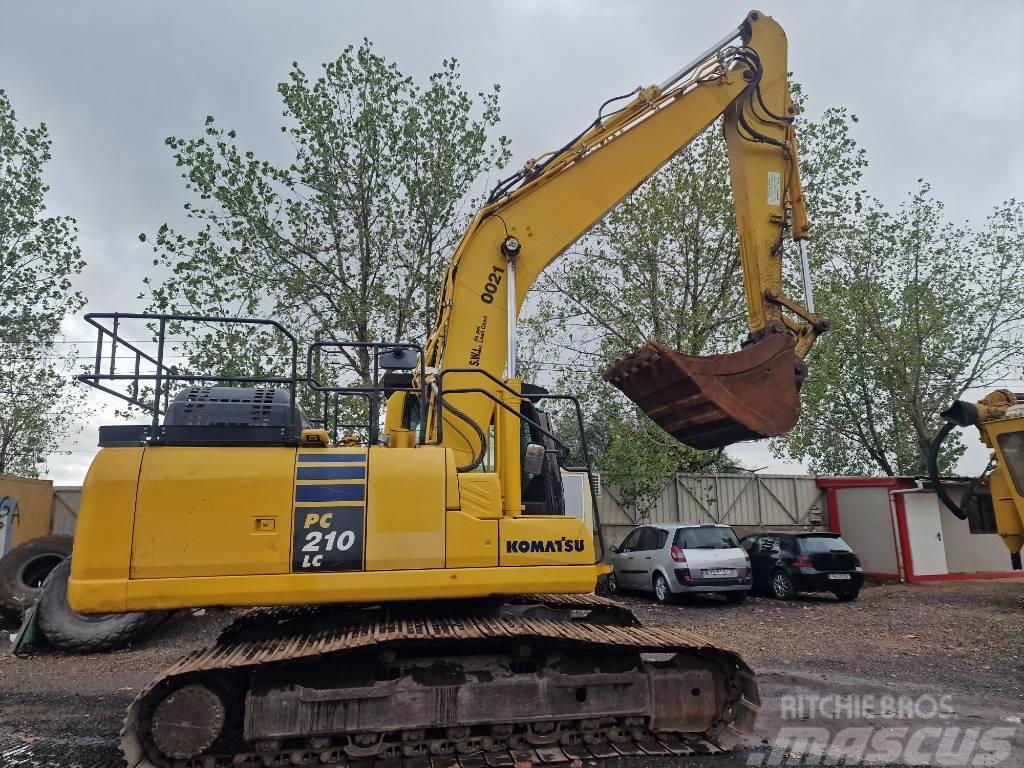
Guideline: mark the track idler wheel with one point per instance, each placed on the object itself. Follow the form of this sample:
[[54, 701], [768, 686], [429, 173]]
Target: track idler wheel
[[711, 402], [187, 722]]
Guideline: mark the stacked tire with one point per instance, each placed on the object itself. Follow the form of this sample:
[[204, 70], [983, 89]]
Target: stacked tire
[[75, 632], [37, 572], [24, 569]]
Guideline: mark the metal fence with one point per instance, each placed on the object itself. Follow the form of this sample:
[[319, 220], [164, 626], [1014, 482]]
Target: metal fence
[[746, 501], [66, 500]]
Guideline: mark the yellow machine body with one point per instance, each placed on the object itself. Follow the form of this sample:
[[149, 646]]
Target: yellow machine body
[[176, 527], [999, 418], [167, 525], [1006, 481]]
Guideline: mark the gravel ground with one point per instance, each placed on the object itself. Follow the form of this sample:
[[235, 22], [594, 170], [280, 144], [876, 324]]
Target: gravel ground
[[964, 640], [964, 636]]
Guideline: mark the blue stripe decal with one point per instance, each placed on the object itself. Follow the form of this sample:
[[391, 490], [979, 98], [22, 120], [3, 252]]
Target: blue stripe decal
[[359, 458], [331, 473], [330, 493], [301, 511]]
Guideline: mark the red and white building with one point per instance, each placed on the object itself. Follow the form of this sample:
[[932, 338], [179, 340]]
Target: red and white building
[[902, 531]]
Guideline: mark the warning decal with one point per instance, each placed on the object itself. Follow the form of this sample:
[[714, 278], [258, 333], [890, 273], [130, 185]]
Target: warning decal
[[774, 188]]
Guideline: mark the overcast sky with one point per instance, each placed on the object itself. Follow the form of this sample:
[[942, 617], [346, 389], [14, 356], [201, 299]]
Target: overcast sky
[[937, 86]]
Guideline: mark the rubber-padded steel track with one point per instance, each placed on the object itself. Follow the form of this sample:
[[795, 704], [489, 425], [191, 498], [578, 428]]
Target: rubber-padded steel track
[[568, 624]]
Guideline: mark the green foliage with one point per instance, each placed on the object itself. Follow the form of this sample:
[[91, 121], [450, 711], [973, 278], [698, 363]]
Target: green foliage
[[349, 239], [39, 255], [923, 310], [39, 407]]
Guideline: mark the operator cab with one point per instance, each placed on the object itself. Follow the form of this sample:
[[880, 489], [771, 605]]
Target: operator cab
[[1011, 446], [541, 478], [542, 489]]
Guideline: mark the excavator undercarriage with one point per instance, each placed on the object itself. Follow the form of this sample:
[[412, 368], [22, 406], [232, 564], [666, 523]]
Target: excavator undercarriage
[[545, 679]]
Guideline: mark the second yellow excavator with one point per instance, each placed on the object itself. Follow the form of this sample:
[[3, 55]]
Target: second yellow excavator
[[994, 501], [434, 600]]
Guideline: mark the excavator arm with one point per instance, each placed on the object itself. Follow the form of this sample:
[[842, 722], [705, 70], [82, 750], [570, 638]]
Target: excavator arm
[[534, 216]]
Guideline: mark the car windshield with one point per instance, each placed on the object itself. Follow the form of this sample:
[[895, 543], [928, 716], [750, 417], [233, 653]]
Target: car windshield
[[811, 544], [706, 538]]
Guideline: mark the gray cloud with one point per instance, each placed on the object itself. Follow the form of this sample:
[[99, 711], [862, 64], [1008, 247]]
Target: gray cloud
[[936, 85]]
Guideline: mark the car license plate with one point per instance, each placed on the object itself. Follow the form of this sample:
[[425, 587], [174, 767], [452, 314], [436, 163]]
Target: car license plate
[[839, 576], [718, 572]]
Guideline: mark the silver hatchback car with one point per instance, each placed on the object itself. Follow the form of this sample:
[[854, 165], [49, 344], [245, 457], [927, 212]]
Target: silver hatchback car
[[680, 558]]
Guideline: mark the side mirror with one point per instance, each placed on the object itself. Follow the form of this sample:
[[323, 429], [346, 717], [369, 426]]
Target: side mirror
[[396, 359], [614, 549], [533, 459]]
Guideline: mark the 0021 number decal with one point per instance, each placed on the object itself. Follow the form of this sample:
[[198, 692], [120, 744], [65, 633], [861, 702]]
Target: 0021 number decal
[[491, 287], [328, 539]]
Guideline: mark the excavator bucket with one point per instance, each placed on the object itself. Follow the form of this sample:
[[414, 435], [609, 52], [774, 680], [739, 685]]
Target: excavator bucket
[[712, 402]]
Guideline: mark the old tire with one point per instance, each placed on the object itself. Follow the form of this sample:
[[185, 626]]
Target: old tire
[[846, 595], [74, 632], [24, 569]]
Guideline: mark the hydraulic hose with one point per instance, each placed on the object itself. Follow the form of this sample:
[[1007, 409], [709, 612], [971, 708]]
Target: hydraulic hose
[[476, 427], [958, 510]]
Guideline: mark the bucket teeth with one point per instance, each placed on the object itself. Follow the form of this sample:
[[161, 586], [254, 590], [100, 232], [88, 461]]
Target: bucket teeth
[[715, 401]]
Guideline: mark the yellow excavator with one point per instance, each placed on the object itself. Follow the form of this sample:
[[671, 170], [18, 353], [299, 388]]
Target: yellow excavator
[[994, 501], [425, 595]]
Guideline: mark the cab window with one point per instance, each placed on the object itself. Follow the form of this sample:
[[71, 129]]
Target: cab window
[[1011, 445]]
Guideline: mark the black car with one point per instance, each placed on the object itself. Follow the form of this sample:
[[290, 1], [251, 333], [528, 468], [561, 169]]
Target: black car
[[786, 563]]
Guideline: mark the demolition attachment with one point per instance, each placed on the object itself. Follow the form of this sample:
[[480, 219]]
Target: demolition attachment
[[712, 402]]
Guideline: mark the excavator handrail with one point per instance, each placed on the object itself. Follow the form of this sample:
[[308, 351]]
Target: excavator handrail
[[165, 374], [373, 392]]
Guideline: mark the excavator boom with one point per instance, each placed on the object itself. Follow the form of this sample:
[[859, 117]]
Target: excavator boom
[[537, 214]]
